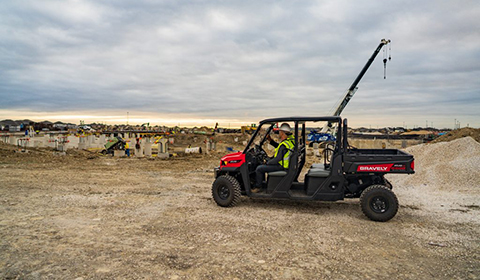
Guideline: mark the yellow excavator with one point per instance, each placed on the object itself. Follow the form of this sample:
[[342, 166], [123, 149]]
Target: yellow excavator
[[250, 129]]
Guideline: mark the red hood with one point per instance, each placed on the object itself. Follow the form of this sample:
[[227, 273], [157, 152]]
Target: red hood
[[232, 160]]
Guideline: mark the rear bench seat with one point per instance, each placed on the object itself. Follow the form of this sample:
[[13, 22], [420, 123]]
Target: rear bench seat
[[319, 173], [318, 166], [318, 170], [277, 173], [314, 177]]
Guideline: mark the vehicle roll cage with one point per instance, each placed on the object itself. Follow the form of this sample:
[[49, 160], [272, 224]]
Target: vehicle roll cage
[[301, 121]]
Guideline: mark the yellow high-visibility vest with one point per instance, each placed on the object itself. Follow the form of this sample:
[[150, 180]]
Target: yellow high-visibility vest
[[289, 143]]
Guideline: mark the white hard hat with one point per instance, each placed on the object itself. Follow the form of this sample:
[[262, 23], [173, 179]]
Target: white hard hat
[[285, 127]]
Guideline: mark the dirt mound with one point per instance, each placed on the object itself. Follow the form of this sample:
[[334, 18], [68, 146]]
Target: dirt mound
[[14, 154], [418, 132], [459, 133], [445, 165]]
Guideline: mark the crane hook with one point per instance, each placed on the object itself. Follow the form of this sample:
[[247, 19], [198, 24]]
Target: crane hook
[[384, 68]]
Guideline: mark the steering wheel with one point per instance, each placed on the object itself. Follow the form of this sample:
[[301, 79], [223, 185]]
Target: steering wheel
[[260, 154]]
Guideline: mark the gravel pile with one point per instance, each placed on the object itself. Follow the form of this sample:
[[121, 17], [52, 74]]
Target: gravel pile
[[451, 166]]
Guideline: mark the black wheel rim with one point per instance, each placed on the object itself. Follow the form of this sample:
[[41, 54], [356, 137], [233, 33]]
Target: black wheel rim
[[223, 192], [379, 204]]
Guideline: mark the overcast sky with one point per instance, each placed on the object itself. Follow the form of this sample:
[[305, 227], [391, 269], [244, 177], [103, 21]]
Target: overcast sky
[[170, 62]]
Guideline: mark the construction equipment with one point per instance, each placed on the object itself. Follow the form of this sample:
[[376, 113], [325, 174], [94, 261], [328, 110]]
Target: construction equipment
[[318, 137], [117, 143], [249, 129], [145, 126]]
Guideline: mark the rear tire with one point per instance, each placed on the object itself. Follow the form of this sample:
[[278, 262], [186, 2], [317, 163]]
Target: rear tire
[[379, 203], [226, 191]]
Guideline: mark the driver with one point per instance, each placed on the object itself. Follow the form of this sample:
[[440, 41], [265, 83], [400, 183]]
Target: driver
[[280, 158]]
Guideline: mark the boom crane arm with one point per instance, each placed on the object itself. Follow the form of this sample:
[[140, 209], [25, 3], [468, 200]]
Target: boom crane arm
[[353, 88]]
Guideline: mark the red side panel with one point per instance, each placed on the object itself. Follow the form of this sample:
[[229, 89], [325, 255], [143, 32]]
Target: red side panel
[[233, 160]]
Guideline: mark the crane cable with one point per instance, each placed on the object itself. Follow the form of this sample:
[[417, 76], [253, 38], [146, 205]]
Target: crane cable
[[389, 50], [385, 53], [384, 63]]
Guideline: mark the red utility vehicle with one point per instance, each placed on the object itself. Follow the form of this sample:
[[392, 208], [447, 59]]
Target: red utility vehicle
[[346, 172]]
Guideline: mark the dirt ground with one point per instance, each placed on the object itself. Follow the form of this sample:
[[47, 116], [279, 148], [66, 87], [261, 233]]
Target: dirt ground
[[83, 216], [458, 133]]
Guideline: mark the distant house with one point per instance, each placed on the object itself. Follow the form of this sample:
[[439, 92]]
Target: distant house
[[59, 125], [14, 128], [63, 126], [7, 123], [44, 126]]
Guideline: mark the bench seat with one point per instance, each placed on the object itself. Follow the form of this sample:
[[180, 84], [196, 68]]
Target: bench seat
[[277, 173], [319, 173], [318, 166]]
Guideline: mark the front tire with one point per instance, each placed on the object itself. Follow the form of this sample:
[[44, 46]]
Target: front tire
[[379, 203], [226, 191]]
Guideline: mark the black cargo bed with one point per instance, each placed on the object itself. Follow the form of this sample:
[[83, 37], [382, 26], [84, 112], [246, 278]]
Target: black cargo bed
[[377, 161]]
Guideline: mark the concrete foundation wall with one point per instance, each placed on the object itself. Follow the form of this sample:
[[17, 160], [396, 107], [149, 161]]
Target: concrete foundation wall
[[380, 143], [148, 149]]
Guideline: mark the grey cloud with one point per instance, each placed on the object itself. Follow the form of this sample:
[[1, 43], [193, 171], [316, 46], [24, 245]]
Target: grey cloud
[[216, 58]]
